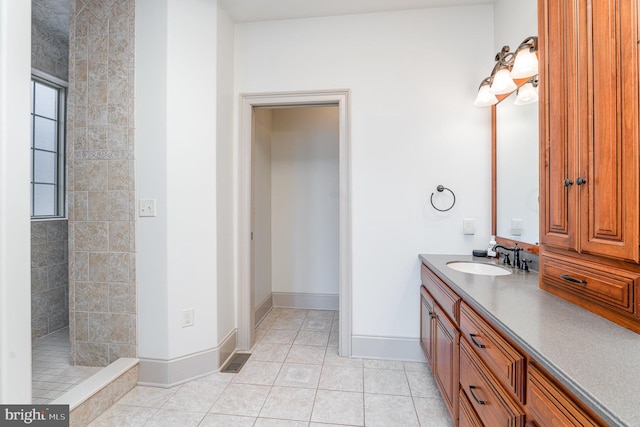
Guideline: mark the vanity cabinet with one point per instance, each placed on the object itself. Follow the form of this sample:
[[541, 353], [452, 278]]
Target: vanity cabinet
[[590, 162], [440, 336], [483, 377], [550, 406]]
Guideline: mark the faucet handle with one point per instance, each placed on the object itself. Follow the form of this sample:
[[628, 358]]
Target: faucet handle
[[506, 260], [525, 265]]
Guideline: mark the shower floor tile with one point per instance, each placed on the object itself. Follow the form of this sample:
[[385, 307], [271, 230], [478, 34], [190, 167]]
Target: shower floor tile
[[52, 375]]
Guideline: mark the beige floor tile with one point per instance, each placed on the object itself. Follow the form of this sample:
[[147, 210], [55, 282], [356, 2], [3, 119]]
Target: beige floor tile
[[307, 354], [320, 338], [195, 396], [241, 399], [167, 418], [312, 324], [149, 397], [432, 412], [341, 378], [334, 338], [257, 372], [298, 375], [217, 377], [293, 313], [287, 323], [321, 314], [221, 420], [386, 381], [288, 403], [269, 422], [338, 407], [384, 364], [124, 416], [268, 352], [384, 411], [331, 358], [422, 384], [279, 336], [416, 366]]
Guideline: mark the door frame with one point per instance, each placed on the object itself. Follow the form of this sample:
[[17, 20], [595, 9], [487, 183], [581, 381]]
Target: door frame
[[246, 313]]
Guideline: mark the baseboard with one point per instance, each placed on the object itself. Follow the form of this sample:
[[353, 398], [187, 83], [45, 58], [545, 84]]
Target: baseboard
[[263, 308], [390, 348], [308, 301], [169, 373]]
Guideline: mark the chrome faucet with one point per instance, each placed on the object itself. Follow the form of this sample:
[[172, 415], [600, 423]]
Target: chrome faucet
[[516, 254]]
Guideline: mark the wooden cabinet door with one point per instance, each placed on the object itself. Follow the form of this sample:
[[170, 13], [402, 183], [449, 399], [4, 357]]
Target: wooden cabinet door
[[447, 370], [589, 127], [427, 322], [559, 122], [609, 143]]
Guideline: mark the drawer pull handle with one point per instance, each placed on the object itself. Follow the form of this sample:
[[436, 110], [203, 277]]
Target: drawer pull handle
[[568, 182], [581, 180], [480, 402], [573, 279], [477, 344]]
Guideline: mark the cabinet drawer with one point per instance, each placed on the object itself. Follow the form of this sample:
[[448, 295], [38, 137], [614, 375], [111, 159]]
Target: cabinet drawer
[[603, 284], [448, 300], [550, 406], [467, 416], [506, 363], [494, 406]]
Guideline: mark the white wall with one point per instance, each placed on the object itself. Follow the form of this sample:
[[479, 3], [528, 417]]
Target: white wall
[[413, 77], [304, 200], [176, 69], [225, 173], [261, 201], [15, 258]]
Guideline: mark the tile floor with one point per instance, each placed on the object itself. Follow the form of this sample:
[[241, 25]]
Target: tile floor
[[51, 373], [294, 377]]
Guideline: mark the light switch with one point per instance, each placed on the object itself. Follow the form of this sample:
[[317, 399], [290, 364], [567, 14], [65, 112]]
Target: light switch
[[147, 207], [468, 226]]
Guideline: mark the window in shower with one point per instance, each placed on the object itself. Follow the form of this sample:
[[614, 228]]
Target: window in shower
[[47, 148]]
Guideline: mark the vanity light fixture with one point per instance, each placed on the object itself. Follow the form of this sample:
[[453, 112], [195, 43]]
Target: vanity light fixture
[[528, 92], [525, 63], [485, 98], [509, 66], [502, 82]]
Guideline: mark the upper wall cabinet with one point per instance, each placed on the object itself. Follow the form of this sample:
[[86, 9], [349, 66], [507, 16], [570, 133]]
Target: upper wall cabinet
[[590, 171], [590, 140]]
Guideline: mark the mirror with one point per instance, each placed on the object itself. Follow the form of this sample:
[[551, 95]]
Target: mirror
[[516, 201]]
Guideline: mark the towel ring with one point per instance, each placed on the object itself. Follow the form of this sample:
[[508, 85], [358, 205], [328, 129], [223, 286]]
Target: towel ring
[[440, 189]]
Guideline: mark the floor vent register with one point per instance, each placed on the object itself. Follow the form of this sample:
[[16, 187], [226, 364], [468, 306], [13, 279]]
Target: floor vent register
[[236, 363]]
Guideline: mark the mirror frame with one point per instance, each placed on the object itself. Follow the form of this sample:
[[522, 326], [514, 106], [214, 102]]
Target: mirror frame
[[529, 247]]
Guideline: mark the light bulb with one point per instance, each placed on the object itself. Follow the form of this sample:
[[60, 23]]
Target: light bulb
[[502, 83]]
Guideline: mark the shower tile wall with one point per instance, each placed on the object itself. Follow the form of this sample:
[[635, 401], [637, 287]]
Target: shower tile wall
[[49, 243], [49, 277], [100, 153]]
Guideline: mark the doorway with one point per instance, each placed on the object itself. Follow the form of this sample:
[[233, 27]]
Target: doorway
[[246, 255]]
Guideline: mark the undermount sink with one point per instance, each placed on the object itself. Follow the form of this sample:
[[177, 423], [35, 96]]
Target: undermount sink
[[481, 268]]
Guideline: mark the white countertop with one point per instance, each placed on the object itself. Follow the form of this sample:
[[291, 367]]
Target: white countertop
[[596, 359]]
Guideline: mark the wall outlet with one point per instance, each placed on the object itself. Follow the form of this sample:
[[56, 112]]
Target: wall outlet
[[468, 226], [516, 226], [187, 317], [147, 207]]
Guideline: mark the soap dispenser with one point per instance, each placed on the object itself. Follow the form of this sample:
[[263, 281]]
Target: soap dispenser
[[490, 252]]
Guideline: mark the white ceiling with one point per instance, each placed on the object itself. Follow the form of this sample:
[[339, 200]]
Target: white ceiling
[[268, 10]]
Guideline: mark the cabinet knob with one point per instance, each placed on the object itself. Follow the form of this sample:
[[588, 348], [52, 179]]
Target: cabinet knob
[[568, 182], [581, 181]]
